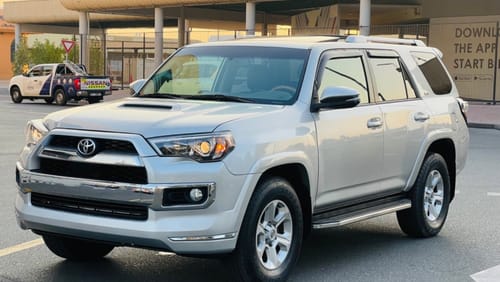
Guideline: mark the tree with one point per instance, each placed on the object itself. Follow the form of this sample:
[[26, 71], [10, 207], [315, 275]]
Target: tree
[[22, 57], [46, 52]]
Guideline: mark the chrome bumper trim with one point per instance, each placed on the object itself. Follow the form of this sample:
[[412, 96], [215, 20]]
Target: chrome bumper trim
[[204, 238], [150, 195]]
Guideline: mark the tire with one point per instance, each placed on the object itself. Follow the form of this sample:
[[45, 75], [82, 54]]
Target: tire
[[49, 100], [60, 97], [271, 234], [15, 95], [74, 249], [430, 198]]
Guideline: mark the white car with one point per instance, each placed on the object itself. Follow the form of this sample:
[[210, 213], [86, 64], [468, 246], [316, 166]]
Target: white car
[[289, 135], [59, 83]]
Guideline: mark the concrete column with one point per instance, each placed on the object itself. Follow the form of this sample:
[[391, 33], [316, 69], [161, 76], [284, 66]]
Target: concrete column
[[250, 18], [181, 28], [364, 17], [83, 29], [158, 36], [17, 35]]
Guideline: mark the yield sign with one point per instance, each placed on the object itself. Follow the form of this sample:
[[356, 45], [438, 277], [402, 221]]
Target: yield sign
[[67, 44]]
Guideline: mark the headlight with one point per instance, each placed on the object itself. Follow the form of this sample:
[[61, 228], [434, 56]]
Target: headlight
[[35, 131], [201, 148]]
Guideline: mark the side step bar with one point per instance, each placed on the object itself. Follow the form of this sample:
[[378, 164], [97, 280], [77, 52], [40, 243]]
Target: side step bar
[[362, 214]]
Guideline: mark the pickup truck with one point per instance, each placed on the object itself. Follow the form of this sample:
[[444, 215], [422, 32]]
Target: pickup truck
[[59, 83]]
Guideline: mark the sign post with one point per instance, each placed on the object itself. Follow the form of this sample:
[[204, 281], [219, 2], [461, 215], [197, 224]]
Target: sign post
[[68, 45]]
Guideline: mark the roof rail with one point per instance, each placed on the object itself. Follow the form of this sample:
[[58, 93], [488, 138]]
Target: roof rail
[[375, 39]]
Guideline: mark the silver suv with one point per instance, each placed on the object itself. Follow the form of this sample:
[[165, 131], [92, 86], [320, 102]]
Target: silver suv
[[243, 147]]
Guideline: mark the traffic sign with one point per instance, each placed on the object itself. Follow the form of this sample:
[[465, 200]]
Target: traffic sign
[[68, 45]]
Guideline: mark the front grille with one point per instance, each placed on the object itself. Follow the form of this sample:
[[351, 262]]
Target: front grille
[[126, 174], [114, 210], [71, 142]]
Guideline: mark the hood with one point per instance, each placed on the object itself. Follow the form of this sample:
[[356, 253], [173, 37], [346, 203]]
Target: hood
[[151, 117]]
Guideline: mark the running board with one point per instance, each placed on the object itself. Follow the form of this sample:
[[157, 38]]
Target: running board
[[362, 214]]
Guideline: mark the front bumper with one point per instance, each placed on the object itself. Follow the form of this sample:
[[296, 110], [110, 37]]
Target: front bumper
[[209, 228]]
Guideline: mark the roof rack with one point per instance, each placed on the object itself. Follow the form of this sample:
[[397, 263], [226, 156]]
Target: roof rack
[[375, 39]]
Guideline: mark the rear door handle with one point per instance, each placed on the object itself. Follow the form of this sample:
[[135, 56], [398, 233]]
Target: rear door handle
[[375, 122], [421, 116]]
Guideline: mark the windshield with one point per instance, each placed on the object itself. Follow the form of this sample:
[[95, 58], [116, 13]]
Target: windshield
[[268, 75]]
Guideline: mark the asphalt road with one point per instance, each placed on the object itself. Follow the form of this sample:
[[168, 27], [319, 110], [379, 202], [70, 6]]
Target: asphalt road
[[374, 250]]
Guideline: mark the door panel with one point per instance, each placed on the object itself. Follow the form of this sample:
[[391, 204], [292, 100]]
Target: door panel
[[350, 154], [350, 141]]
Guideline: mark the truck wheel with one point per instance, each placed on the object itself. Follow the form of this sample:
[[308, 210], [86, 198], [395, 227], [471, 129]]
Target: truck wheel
[[430, 198], [61, 98], [15, 95], [74, 249], [49, 100], [270, 238]]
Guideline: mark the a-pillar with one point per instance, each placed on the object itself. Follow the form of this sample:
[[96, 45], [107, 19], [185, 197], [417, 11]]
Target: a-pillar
[[250, 18], [158, 36], [83, 28], [17, 35], [364, 17]]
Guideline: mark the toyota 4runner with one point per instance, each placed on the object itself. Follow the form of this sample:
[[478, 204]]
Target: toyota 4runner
[[241, 148]]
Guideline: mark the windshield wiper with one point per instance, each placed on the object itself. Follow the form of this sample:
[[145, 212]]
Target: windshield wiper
[[161, 95], [220, 97]]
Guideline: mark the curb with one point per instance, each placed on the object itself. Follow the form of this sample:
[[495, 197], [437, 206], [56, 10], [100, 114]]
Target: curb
[[483, 125]]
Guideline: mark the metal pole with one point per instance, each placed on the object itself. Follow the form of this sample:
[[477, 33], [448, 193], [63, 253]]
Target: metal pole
[[105, 55], [123, 60], [496, 66], [143, 55]]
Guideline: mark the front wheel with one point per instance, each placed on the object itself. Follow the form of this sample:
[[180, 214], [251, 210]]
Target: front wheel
[[15, 95], [74, 249], [270, 238], [430, 197]]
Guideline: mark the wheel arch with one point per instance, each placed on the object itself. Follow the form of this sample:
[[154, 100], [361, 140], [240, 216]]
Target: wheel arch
[[446, 148], [297, 175]]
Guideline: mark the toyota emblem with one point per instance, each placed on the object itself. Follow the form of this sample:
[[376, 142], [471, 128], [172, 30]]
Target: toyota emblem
[[86, 147]]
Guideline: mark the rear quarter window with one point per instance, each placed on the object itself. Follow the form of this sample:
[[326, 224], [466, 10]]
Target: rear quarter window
[[434, 72]]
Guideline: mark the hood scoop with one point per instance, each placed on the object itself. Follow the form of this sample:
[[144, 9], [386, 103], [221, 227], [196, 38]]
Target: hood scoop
[[149, 106]]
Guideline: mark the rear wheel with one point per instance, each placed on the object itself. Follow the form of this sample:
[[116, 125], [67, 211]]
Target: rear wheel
[[15, 95], [74, 249], [61, 98], [430, 198], [270, 238]]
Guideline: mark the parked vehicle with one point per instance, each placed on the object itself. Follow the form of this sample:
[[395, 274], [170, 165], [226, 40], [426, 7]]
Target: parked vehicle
[[281, 136], [59, 83]]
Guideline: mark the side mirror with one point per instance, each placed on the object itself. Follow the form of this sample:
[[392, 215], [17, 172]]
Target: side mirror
[[337, 98], [136, 86]]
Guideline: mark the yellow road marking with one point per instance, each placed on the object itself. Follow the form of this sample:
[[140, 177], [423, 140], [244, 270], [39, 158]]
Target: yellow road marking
[[20, 247]]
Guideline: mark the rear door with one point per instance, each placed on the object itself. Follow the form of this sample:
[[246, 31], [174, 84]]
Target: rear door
[[405, 116], [350, 141]]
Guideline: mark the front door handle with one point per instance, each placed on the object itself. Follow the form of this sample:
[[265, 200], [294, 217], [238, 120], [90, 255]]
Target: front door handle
[[421, 116], [375, 122]]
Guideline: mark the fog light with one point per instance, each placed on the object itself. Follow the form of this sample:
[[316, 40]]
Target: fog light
[[196, 195]]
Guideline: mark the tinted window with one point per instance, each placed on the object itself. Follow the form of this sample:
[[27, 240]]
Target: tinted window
[[389, 78], [345, 72], [433, 71]]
